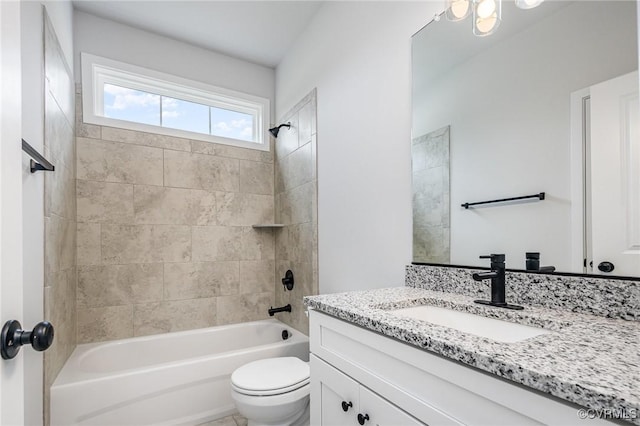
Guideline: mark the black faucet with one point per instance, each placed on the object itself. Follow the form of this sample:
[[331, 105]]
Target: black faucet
[[497, 276], [273, 310]]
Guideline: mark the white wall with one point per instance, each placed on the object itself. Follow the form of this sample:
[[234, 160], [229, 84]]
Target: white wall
[[112, 40], [358, 55], [61, 15], [510, 129]]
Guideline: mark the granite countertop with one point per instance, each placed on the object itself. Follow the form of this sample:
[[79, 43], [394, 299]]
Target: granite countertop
[[585, 359]]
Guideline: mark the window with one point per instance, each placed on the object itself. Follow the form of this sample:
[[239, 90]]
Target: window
[[122, 95]]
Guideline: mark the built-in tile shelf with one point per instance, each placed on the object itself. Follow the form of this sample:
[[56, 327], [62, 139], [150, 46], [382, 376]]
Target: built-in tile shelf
[[268, 225]]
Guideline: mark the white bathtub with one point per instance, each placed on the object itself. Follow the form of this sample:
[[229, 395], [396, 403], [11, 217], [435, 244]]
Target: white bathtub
[[174, 378]]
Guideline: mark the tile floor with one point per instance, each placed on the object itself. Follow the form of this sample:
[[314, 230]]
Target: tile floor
[[234, 420]]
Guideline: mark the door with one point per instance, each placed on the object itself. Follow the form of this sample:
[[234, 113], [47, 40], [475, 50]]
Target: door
[[12, 404], [615, 176], [334, 396]]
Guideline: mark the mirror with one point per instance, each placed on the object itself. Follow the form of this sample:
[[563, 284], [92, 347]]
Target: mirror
[[538, 106]]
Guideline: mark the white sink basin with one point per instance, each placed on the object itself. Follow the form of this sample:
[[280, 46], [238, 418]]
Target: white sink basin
[[501, 331]]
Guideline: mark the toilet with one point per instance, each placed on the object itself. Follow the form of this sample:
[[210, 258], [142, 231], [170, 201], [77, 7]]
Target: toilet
[[272, 392]]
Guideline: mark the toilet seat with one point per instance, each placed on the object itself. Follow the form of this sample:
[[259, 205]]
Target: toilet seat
[[270, 376]]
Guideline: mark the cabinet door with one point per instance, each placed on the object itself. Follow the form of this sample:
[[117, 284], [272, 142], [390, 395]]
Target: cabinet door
[[329, 390], [377, 411]]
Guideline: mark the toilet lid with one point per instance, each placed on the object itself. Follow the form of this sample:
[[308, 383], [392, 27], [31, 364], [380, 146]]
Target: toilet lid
[[271, 374]]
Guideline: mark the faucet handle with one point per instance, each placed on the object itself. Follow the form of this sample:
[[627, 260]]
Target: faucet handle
[[495, 258]]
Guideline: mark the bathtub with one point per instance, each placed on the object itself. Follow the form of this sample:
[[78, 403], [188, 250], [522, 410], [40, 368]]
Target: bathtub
[[173, 378]]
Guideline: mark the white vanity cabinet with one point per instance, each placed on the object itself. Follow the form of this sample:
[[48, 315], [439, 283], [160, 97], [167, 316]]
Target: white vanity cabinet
[[398, 384]]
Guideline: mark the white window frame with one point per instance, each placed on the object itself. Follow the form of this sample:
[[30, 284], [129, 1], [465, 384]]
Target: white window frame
[[98, 71]]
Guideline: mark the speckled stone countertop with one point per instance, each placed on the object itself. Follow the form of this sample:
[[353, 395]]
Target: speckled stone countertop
[[586, 359]]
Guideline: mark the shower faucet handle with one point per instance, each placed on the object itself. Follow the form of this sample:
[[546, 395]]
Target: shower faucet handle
[[287, 281]]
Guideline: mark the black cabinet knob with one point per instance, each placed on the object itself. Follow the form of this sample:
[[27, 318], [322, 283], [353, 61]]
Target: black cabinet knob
[[606, 266], [13, 337], [362, 419], [346, 405]]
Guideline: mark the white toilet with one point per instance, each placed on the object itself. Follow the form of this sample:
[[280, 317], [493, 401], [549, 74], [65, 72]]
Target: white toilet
[[273, 391]]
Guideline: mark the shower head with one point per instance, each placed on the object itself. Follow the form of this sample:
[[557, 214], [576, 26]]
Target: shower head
[[275, 130]]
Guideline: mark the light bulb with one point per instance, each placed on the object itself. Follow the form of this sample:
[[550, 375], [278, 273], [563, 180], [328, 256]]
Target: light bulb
[[528, 4], [457, 10], [485, 8], [485, 26], [487, 15]]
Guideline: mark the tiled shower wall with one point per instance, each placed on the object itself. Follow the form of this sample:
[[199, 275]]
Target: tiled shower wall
[[59, 208], [297, 209], [165, 241], [430, 194]]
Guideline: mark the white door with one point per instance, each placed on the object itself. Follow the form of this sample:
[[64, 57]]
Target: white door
[[334, 396], [12, 402], [615, 175]]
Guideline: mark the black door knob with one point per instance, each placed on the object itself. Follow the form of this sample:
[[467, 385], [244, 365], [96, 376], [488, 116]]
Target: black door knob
[[13, 337], [362, 419], [606, 266], [346, 405]]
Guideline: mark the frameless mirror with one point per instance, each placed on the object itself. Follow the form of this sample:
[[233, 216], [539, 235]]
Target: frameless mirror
[[547, 104]]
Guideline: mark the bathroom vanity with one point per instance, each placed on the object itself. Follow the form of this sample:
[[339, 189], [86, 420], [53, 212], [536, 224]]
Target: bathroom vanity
[[378, 358]]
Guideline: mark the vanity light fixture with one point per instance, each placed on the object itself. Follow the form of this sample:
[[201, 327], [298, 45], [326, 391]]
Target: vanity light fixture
[[487, 14]]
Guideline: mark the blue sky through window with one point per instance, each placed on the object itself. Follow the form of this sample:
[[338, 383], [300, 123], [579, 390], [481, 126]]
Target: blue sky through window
[[231, 124], [142, 107], [183, 115], [131, 105]]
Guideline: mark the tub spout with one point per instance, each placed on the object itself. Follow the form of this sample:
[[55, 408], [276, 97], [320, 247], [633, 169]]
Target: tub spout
[[273, 310]]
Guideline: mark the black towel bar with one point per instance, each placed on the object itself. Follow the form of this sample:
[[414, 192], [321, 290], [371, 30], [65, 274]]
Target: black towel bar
[[539, 196], [41, 163]]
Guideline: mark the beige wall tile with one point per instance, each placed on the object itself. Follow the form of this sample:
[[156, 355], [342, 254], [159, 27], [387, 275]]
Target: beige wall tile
[[108, 323], [84, 130], [57, 73], [200, 279], [246, 307], [59, 244], [297, 205], [256, 178], [104, 202], [89, 250], [297, 168], [238, 209], [145, 243], [164, 317], [197, 171], [257, 276], [158, 205], [213, 243], [60, 193], [147, 139], [306, 123], [302, 240], [58, 134], [210, 148], [117, 162], [112, 285], [257, 244]]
